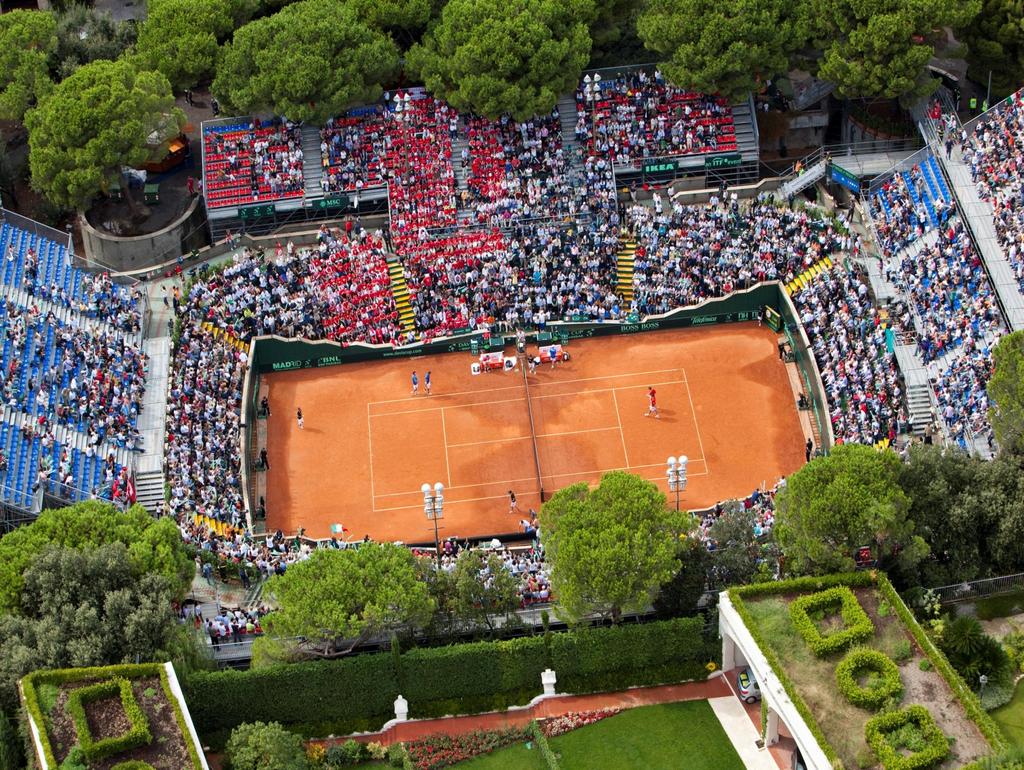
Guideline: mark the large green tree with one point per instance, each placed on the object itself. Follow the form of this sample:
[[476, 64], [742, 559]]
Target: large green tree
[[1006, 392], [680, 596], [180, 38], [27, 40], [837, 504], [154, 546], [505, 56], [612, 547], [86, 608], [995, 44], [85, 35], [485, 590], [405, 19], [92, 125], [337, 599], [259, 746], [309, 61], [880, 48], [721, 46], [738, 553]]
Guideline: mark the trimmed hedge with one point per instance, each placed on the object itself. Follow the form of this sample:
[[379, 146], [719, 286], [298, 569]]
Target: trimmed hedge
[[138, 732], [127, 671], [857, 624], [545, 748], [133, 764], [876, 733], [863, 660], [968, 700], [357, 693]]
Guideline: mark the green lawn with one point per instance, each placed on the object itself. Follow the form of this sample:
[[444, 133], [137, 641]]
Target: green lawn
[[671, 735], [1011, 717], [512, 758]]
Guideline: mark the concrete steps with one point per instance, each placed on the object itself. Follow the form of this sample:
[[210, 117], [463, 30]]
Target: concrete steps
[[625, 262], [149, 490], [312, 164], [400, 291]]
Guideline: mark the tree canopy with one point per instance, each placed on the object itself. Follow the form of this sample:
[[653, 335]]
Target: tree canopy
[[879, 48], [738, 553], [260, 746], [85, 35], [154, 546], [27, 40], [837, 504], [94, 123], [724, 46], [405, 19], [612, 547], [995, 43], [1006, 392], [348, 596], [505, 56], [180, 38], [308, 62], [85, 608]]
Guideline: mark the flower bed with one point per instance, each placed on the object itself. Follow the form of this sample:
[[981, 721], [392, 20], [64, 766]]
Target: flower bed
[[567, 722], [439, 751], [857, 625]]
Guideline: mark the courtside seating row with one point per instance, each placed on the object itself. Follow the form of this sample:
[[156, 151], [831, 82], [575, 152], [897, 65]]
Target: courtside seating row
[[804, 279], [935, 190], [238, 191], [24, 457]]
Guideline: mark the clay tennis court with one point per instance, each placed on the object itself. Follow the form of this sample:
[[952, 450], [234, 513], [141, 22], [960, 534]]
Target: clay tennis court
[[368, 445]]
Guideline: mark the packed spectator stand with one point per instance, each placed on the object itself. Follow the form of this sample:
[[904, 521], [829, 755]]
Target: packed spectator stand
[[72, 375], [250, 163]]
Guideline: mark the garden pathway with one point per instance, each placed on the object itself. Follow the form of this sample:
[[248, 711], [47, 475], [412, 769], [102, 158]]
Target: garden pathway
[[716, 687], [742, 734]]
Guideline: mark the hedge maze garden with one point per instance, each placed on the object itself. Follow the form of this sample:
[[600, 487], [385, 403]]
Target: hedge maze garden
[[111, 718], [868, 682]]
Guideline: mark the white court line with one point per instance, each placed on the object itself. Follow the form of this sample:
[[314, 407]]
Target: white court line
[[501, 482], [469, 500], [618, 419], [443, 395], [369, 455], [450, 406], [527, 438], [444, 436], [607, 390], [606, 377], [696, 427]]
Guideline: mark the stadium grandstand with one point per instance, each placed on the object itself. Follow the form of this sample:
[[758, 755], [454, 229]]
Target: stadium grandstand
[[73, 374]]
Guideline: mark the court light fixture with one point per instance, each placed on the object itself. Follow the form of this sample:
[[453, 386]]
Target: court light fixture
[[676, 474]]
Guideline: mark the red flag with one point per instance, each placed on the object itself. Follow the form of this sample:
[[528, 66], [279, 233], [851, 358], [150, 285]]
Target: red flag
[[130, 489]]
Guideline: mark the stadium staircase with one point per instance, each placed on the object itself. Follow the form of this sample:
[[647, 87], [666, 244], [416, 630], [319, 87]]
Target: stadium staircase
[[810, 175], [624, 269], [400, 291], [312, 163], [149, 479], [919, 391]]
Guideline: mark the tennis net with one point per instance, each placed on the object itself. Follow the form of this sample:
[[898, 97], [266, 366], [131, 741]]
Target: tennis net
[[533, 432]]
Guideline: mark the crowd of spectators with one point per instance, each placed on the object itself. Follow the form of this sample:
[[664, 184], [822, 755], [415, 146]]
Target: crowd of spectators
[[993, 152], [901, 215], [351, 147], [862, 382], [247, 164], [687, 254], [638, 115]]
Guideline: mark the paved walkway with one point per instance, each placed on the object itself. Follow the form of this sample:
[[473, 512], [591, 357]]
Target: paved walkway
[[549, 707], [743, 735]]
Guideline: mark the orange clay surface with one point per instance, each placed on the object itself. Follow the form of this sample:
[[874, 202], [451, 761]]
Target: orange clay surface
[[368, 445]]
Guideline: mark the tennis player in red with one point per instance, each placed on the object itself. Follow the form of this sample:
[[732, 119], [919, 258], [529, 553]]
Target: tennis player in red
[[652, 400]]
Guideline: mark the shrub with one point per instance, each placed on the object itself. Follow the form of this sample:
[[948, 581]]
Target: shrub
[[903, 651], [857, 625], [138, 732], [396, 755], [925, 664], [260, 746], [377, 750], [133, 764], [1013, 643], [887, 684], [345, 754], [887, 733]]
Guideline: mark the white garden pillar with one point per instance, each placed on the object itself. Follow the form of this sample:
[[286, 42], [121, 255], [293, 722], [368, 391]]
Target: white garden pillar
[[548, 679], [771, 730], [401, 709]]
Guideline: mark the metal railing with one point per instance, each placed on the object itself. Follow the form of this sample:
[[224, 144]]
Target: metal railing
[[837, 151], [38, 229], [979, 589]]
